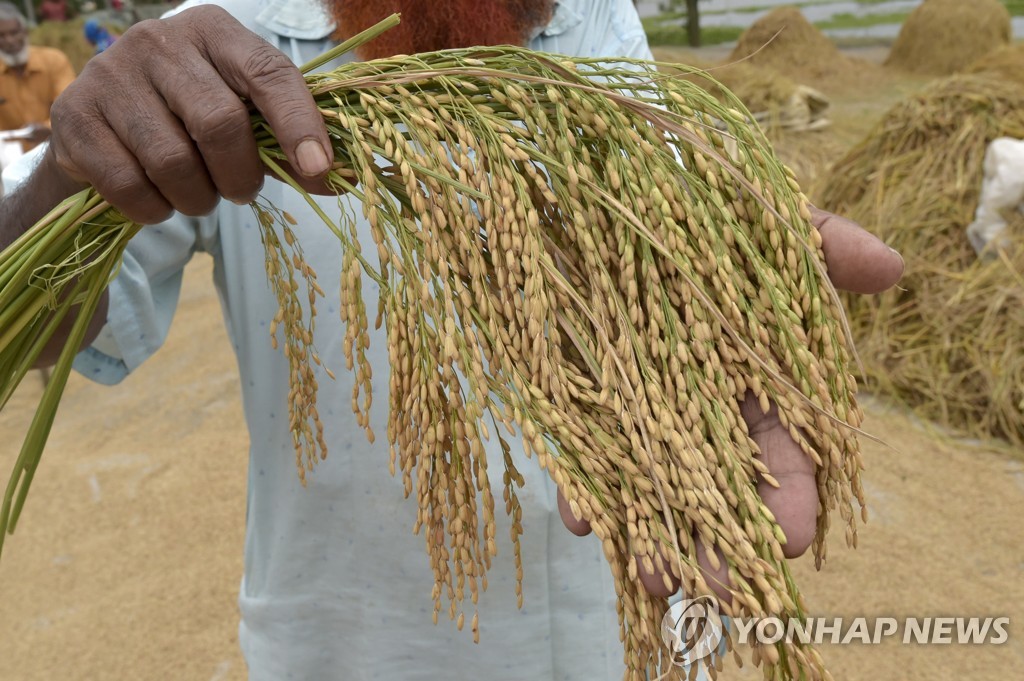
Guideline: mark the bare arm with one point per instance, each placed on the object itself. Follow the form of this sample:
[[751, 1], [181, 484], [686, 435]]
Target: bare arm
[[23, 208]]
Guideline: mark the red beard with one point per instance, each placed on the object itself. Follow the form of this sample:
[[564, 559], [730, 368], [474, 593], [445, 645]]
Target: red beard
[[429, 25]]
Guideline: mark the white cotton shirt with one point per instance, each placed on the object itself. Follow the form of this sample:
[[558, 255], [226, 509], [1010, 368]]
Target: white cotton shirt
[[336, 586]]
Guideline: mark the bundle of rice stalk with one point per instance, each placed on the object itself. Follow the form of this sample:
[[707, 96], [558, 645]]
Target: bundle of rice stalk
[[941, 37], [565, 249], [769, 96], [1006, 62], [784, 41], [948, 340]]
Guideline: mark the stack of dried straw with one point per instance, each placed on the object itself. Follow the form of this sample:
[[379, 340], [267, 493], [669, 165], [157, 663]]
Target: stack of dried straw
[[941, 37], [547, 265], [66, 36], [1006, 63], [784, 41], [948, 341]]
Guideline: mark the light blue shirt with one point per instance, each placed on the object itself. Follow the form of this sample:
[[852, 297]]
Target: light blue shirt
[[336, 586]]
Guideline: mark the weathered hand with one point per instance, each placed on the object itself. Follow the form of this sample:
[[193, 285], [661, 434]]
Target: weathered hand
[[156, 123], [857, 262]]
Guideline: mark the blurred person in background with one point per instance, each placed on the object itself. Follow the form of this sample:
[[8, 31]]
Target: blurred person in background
[[336, 586], [124, 12], [53, 10], [31, 78], [98, 36]]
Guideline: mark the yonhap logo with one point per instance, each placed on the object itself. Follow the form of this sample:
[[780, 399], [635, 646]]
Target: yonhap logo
[[692, 630]]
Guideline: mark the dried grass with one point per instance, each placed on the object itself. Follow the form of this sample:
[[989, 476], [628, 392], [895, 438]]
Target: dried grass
[[949, 340], [809, 155], [785, 42], [66, 36], [941, 37], [1006, 63]]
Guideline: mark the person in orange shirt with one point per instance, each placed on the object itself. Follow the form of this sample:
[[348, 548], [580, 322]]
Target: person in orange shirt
[[31, 78]]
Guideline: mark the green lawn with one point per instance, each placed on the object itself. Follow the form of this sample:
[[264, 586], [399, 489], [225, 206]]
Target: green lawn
[[1016, 7], [667, 34], [861, 20], [669, 28]]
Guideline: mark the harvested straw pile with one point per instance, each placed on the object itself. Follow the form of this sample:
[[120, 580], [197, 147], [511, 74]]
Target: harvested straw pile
[[546, 265], [760, 89], [809, 155], [942, 37], [66, 36], [774, 100], [949, 340], [1006, 62], [785, 42]]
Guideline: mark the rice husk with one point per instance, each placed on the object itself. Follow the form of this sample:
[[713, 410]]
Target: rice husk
[[941, 37], [948, 339]]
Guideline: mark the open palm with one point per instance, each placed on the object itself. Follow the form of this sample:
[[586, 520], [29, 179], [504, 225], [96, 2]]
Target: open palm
[[857, 262]]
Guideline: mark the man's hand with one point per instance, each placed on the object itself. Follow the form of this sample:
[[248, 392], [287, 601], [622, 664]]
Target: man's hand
[[857, 262], [156, 123]]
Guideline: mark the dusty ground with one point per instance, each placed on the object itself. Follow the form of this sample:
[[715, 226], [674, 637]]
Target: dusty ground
[[129, 555], [127, 560]]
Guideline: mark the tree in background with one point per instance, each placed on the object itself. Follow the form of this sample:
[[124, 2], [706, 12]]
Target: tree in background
[[692, 23], [692, 18]]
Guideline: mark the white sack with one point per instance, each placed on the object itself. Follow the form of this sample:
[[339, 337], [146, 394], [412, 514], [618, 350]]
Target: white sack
[[1002, 191]]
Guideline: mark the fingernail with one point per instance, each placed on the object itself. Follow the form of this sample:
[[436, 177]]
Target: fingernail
[[311, 158], [903, 263]]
